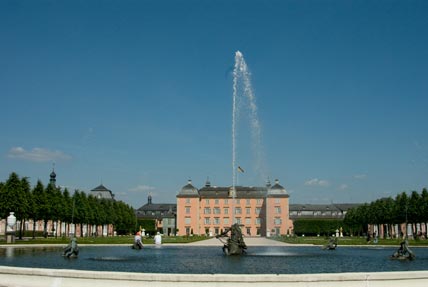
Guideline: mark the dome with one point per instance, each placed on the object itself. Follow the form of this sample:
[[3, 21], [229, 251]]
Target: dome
[[277, 189], [53, 174], [188, 189]]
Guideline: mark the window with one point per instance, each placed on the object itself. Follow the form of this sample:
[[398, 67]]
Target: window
[[216, 201], [277, 209], [278, 221], [207, 201], [247, 210], [238, 201], [207, 220], [248, 231], [216, 220], [277, 200], [187, 200], [238, 220], [247, 221], [258, 231], [226, 220], [226, 201], [216, 210], [226, 210], [259, 201], [258, 210], [248, 201], [207, 210], [258, 221], [187, 210], [238, 210], [187, 220]]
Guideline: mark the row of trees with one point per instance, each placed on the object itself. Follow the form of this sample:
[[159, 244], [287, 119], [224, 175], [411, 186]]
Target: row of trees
[[389, 212], [50, 203]]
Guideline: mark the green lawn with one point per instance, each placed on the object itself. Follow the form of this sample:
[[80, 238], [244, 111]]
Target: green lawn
[[105, 240]]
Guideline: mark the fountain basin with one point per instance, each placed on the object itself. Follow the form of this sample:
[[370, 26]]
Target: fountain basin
[[18, 276], [204, 265]]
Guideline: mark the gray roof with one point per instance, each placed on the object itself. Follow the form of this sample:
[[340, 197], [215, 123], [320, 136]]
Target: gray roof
[[102, 192], [209, 191], [323, 207], [241, 192], [188, 190], [277, 189], [159, 207], [157, 210]]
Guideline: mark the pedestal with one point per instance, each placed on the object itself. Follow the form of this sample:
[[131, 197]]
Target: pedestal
[[10, 237]]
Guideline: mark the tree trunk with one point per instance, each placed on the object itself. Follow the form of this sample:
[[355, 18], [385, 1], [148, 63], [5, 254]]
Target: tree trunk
[[45, 228], [34, 228]]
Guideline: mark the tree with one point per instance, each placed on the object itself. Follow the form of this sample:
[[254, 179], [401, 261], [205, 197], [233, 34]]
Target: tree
[[54, 197], [40, 205], [67, 212], [424, 207], [400, 210], [414, 212], [27, 203], [13, 198]]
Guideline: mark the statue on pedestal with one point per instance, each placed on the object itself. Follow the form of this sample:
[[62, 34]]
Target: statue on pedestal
[[332, 243], [72, 250], [138, 242], [403, 252], [235, 244]]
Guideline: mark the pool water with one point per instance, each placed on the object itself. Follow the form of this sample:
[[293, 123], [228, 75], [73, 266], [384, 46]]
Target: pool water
[[211, 260]]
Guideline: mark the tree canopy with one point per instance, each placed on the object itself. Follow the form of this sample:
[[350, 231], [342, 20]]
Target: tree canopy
[[51, 203]]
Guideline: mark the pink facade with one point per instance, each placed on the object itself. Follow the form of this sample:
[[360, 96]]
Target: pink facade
[[261, 211]]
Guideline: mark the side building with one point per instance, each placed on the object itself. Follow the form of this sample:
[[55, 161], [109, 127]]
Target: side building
[[163, 215], [321, 211], [261, 211]]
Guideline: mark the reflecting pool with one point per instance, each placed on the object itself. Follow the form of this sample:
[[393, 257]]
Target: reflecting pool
[[211, 260]]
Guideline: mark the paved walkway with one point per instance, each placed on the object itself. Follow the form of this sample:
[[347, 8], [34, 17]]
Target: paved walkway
[[249, 241]]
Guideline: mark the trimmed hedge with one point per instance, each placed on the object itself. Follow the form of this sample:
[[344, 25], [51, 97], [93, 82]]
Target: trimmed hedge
[[314, 227]]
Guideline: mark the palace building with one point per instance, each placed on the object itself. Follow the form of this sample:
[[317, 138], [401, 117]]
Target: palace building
[[261, 211], [163, 215]]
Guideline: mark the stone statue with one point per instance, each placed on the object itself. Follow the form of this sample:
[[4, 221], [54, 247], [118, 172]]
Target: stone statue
[[332, 244], [403, 252], [235, 244], [138, 243], [72, 250]]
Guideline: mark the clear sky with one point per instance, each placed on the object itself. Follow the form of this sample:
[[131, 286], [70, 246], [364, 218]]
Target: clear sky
[[137, 95]]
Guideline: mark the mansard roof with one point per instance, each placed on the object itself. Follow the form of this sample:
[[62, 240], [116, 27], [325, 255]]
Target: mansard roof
[[188, 190], [277, 190], [241, 192], [157, 210], [159, 207], [102, 192], [323, 207]]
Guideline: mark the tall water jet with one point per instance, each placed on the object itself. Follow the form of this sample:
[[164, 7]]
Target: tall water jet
[[242, 90]]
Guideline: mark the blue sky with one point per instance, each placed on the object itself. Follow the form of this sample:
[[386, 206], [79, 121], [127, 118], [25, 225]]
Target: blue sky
[[137, 95]]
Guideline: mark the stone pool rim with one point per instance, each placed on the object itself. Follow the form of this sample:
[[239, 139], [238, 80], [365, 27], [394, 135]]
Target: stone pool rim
[[26, 276]]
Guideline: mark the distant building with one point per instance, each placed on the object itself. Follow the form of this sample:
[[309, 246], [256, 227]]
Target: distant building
[[320, 211], [52, 178], [164, 215], [101, 192], [261, 211]]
